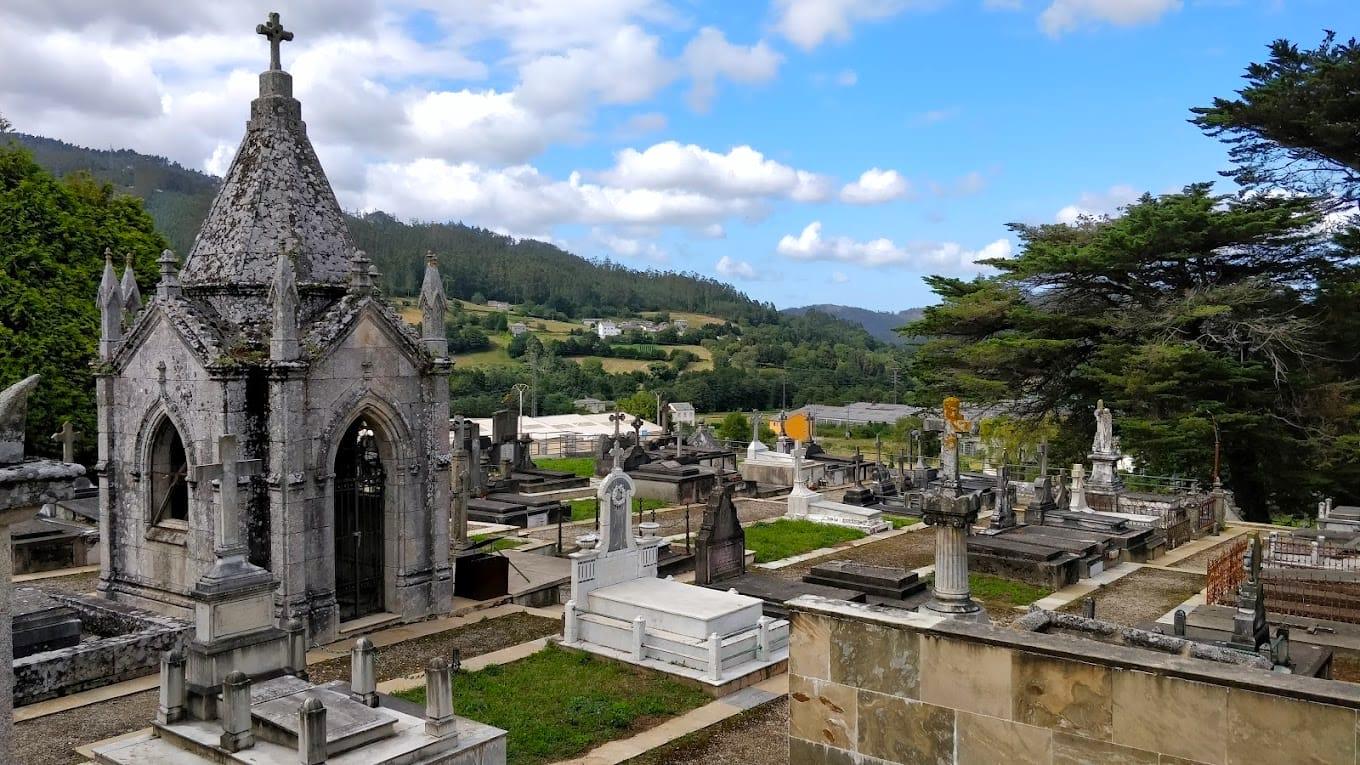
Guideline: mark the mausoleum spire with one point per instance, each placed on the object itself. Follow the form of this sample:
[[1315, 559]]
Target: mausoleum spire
[[283, 301], [110, 309], [132, 297], [275, 197], [433, 304]]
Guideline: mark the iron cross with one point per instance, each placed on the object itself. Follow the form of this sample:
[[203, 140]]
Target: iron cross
[[274, 32]]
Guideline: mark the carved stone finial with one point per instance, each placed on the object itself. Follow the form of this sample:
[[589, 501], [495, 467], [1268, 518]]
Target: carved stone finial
[[274, 32], [132, 297], [360, 277], [13, 418], [433, 305], [283, 300], [169, 284]]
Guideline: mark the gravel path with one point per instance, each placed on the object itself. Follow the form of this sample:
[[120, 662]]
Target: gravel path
[[409, 657], [1142, 596], [757, 736], [76, 584], [51, 740], [911, 550]]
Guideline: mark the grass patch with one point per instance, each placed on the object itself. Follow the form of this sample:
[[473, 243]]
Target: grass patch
[[582, 466], [901, 523], [501, 543], [557, 704], [584, 509], [786, 537], [994, 591]]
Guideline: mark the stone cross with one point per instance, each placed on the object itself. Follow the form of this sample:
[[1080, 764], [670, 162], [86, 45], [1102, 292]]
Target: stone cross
[[755, 425], [797, 453], [637, 431], [618, 452], [67, 438], [229, 469], [617, 418], [274, 32], [1043, 459], [859, 461]]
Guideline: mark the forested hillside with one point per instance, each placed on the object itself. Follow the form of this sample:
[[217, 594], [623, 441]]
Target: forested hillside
[[883, 325], [474, 261]]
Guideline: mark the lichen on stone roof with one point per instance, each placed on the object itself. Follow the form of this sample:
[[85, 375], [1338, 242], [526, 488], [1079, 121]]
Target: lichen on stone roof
[[275, 198]]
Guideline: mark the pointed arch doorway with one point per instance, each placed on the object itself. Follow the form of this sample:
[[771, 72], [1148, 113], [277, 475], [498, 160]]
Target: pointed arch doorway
[[360, 495]]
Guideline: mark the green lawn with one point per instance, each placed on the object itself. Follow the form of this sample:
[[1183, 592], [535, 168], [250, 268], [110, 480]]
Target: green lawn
[[501, 543], [995, 592], [582, 466], [557, 704], [786, 537], [899, 522], [584, 509]]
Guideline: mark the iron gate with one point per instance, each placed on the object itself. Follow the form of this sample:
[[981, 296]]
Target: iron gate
[[358, 548]]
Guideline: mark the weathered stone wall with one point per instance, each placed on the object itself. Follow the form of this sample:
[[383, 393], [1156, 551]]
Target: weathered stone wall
[[874, 686], [155, 566], [133, 647]]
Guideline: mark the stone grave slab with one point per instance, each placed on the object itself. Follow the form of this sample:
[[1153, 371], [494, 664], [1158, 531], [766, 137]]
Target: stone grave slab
[[881, 581], [349, 724], [775, 592], [665, 604], [42, 623]]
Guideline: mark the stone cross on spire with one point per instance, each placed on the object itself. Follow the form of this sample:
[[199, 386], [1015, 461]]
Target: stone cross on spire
[[274, 32], [67, 438]]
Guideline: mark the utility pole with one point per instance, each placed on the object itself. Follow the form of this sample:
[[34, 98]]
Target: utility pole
[[658, 408], [895, 370], [784, 396], [520, 388]]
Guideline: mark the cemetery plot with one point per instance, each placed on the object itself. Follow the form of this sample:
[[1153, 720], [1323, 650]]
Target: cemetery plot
[[786, 537], [560, 704], [911, 550], [1141, 597]]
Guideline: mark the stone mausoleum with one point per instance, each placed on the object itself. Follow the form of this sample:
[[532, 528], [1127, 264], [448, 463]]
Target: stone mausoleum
[[273, 331]]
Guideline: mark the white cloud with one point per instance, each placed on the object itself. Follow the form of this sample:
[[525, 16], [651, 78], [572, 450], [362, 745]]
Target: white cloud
[[741, 172], [522, 200], [625, 68], [736, 269], [875, 186], [1063, 16], [713, 231], [809, 23], [839, 277], [934, 257], [629, 247], [1094, 205], [847, 78], [709, 56]]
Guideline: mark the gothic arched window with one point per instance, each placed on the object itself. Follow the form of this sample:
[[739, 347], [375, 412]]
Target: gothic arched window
[[169, 475]]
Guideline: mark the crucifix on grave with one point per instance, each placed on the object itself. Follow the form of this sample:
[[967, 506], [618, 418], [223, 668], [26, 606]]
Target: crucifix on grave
[[859, 464], [228, 545], [67, 438], [460, 483], [274, 32]]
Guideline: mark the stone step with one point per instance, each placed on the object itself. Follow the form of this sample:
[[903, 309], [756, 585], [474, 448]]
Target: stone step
[[150, 749], [864, 573]]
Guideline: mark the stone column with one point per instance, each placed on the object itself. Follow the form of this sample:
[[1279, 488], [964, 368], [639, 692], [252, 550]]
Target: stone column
[[439, 718], [172, 698], [297, 647], [25, 486], [461, 484], [311, 735], [363, 679], [236, 725], [952, 517]]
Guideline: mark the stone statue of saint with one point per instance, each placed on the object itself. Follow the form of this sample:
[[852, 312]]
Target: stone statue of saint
[[1104, 441]]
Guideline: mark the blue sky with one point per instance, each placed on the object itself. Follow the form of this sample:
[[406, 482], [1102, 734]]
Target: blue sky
[[719, 138]]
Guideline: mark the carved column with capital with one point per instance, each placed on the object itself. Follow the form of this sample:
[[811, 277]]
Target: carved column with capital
[[952, 518]]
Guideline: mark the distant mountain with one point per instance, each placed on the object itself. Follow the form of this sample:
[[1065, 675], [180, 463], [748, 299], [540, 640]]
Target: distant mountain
[[473, 261], [880, 324]]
